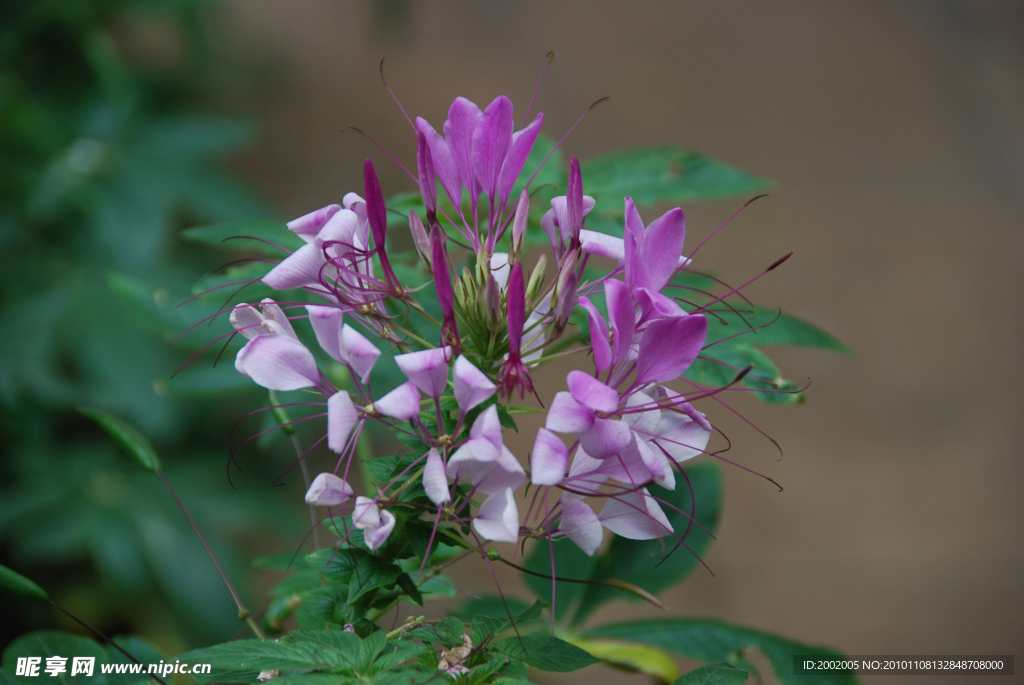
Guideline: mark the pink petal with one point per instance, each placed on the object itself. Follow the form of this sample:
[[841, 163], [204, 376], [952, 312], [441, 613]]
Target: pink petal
[[402, 403], [662, 247], [428, 369], [622, 316], [669, 346], [549, 459], [606, 438], [504, 472], [680, 402], [580, 524], [560, 207], [598, 335], [602, 245], [445, 166], [633, 238], [326, 323], [277, 362], [435, 482], [629, 516], [300, 269], [591, 392], [365, 514], [491, 141], [680, 436], [341, 417], [327, 490], [470, 457], [498, 518], [463, 117], [522, 143], [358, 352], [472, 386], [379, 535], [307, 226], [487, 426], [275, 320], [566, 415]]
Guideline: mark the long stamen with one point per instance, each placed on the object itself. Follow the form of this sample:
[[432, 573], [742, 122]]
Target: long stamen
[[551, 57], [567, 133], [393, 96]]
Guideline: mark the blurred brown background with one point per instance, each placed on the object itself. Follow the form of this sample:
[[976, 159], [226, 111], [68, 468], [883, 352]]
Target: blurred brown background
[[895, 133]]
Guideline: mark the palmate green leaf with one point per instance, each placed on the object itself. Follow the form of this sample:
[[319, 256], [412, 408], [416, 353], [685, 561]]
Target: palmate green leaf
[[715, 642], [361, 570], [237, 235], [545, 653], [663, 173], [46, 643], [715, 674], [446, 633]]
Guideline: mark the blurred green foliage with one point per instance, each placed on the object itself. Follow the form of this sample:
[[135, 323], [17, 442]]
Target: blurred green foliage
[[109, 145]]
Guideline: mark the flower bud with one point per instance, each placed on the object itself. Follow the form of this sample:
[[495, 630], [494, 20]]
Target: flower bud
[[537, 278], [483, 266], [519, 225], [420, 239], [566, 269], [467, 280], [492, 304], [425, 168], [566, 303]]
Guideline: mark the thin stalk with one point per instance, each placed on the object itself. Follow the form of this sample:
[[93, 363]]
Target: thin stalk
[[305, 476], [243, 612]]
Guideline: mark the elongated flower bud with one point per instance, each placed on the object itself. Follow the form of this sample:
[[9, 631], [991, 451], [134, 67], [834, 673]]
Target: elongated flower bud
[[566, 268], [537, 278], [566, 303], [425, 167], [378, 218], [574, 204], [519, 225], [419, 238], [514, 373], [492, 300], [443, 283]]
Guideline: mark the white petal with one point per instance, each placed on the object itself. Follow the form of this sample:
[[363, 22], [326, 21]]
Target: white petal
[[435, 482]]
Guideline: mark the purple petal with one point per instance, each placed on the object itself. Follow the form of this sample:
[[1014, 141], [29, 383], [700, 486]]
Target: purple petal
[[560, 206], [633, 238], [598, 335], [574, 200], [463, 117], [341, 417], [307, 226], [442, 279], [606, 438], [365, 514], [522, 143], [445, 166], [359, 353], [277, 362], [491, 141], [428, 369], [668, 347], [300, 269], [326, 323], [402, 403], [591, 392], [379, 535], [654, 305], [602, 245], [549, 223], [522, 217], [549, 459], [634, 518], [419, 238], [662, 247], [327, 490], [566, 415], [435, 482], [472, 386], [622, 316], [498, 518], [627, 467], [580, 524]]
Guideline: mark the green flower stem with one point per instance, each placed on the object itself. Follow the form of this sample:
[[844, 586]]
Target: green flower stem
[[243, 612], [412, 335], [305, 476], [557, 355]]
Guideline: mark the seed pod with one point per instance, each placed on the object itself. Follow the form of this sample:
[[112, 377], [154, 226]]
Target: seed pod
[[536, 278]]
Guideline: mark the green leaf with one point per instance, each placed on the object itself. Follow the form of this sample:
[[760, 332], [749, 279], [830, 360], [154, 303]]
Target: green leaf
[[47, 643], [639, 561], [130, 440], [714, 642], [546, 653], [663, 173], [781, 329], [447, 633], [303, 649], [21, 586], [337, 648], [232, 235], [361, 570], [632, 657], [715, 674], [486, 627]]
